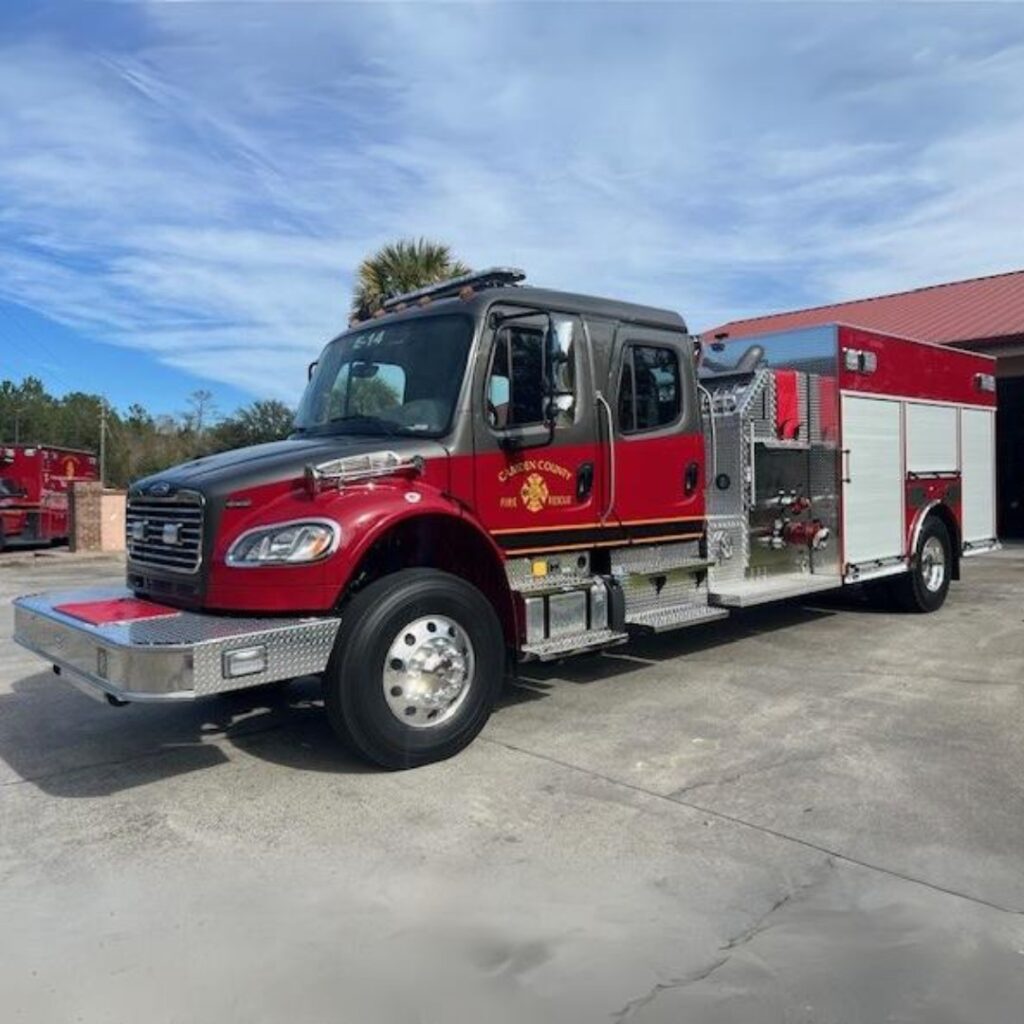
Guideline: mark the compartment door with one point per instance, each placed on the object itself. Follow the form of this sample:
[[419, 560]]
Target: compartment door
[[978, 476], [931, 438], [872, 480]]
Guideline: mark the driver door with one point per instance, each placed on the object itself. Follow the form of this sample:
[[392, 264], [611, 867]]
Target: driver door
[[538, 476]]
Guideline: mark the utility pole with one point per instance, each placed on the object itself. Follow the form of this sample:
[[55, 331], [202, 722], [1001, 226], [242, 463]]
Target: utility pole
[[103, 441]]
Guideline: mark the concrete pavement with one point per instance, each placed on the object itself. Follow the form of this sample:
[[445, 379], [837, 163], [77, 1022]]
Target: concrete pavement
[[811, 812]]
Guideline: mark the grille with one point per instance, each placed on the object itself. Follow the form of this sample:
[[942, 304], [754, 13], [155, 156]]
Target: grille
[[165, 533]]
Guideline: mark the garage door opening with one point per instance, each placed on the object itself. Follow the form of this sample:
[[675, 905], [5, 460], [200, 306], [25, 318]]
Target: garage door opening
[[1010, 457]]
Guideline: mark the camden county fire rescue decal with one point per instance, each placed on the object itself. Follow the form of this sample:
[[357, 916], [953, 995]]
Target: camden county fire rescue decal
[[535, 484]]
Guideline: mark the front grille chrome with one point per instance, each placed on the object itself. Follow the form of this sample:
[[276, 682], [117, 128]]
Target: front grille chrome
[[165, 533]]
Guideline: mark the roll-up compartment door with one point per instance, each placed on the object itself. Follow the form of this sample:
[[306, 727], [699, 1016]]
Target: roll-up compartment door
[[931, 438], [873, 479], [978, 473]]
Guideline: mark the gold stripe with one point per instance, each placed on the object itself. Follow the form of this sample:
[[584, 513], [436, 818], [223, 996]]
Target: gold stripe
[[606, 526], [566, 547], [670, 519], [599, 544]]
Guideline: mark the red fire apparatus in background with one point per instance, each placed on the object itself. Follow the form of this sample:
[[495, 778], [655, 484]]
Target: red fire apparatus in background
[[487, 473], [35, 481]]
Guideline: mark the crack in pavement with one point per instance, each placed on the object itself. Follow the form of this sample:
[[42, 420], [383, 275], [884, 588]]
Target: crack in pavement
[[634, 1005], [759, 925], [763, 829], [727, 780]]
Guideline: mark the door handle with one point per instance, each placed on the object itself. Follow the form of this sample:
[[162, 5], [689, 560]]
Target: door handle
[[690, 478], [584, 481]]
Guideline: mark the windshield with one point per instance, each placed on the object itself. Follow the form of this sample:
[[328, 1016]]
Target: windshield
[[397, 378]]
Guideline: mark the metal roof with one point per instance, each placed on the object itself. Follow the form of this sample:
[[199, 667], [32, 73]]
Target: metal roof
[[980, 309]]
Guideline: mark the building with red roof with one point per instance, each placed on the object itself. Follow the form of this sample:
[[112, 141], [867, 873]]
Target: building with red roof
[[984, 313]]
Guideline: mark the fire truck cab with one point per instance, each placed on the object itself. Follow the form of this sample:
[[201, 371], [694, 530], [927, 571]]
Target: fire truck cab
[[487, 473]]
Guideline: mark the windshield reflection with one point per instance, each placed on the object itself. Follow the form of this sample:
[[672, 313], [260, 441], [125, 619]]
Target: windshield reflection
[[394, 378]]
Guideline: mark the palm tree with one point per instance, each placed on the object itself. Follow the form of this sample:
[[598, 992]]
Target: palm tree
[[401, 267]]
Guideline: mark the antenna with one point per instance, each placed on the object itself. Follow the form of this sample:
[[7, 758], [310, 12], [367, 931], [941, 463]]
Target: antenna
[[103, 441], [493, 277]]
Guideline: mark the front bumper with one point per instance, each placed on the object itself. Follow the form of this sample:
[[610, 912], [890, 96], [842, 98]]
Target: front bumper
[[178, 656]]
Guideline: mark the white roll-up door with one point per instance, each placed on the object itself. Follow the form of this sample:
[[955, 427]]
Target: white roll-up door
[[931, 438], [978, 473], [873, 491]]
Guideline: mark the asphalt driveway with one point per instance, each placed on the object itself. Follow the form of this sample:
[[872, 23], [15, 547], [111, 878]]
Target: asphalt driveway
[[810, 812]]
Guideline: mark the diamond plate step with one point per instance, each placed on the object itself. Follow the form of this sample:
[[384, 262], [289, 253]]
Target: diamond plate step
[[657, 559], [659, 620], [554, 584], [560, 646], [662, 569], [751, 592]]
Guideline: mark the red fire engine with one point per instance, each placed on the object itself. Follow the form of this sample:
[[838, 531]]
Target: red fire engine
[[487, 473], [34, 484]]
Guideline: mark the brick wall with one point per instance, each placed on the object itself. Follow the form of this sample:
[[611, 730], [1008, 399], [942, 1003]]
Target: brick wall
[[97, 518]]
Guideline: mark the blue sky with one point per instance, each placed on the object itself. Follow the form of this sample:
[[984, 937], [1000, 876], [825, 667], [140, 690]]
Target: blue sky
[[185, 188]]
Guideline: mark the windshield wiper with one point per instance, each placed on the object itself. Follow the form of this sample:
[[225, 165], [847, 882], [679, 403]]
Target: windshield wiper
[[382, 425]]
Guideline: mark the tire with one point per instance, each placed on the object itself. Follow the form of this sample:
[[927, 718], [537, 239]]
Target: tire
[[417, 666], [924, 587]]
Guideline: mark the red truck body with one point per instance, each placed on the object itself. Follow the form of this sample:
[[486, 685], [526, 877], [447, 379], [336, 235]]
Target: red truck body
[[35, 482]]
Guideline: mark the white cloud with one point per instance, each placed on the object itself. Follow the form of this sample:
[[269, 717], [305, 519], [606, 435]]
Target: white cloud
[[203, 188]]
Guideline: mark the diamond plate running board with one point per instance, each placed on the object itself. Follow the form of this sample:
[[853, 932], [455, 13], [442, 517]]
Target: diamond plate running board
[[577, 643], [660, 620]]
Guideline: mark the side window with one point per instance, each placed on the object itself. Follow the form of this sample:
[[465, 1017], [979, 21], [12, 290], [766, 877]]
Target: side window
[[518, 383], [649, 388], [627, 400], [515, 388]]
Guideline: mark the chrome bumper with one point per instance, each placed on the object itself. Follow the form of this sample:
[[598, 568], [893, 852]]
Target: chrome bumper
[[175, 657]]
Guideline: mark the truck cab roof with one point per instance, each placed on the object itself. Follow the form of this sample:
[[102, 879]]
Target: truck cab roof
[[492, 289]]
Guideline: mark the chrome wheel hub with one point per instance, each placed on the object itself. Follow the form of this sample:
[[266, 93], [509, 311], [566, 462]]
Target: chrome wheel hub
[[933, 564], [428, 671]]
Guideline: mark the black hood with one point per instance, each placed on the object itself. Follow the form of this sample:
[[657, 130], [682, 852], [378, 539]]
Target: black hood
[[215, 475]]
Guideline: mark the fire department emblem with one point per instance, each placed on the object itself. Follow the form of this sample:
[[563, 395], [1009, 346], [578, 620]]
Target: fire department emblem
[[534, 492]]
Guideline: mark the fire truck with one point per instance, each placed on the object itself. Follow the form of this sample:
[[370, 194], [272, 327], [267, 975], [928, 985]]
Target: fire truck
[[486, 473], [34, 485]]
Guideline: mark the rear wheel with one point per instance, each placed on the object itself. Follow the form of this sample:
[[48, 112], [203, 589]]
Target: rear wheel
[[416, 669], [924, 587]]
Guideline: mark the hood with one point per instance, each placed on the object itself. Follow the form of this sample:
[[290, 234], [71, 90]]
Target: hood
[[279, 460]]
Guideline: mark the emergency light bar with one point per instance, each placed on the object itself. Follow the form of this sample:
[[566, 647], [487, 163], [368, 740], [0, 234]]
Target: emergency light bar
[[492, 277]]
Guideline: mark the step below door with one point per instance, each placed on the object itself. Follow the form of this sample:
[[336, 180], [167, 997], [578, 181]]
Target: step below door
[[872, 479]]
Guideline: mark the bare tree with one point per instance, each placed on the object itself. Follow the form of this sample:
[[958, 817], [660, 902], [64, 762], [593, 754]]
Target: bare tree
[[202, 410]]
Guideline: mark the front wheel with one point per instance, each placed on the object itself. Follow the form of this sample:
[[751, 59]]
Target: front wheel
[[417, 667], [924, 587]]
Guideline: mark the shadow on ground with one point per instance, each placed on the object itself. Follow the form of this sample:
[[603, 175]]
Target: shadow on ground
[[71, 746]]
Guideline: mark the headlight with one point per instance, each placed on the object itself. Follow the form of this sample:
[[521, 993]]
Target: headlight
[[292, 543]]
